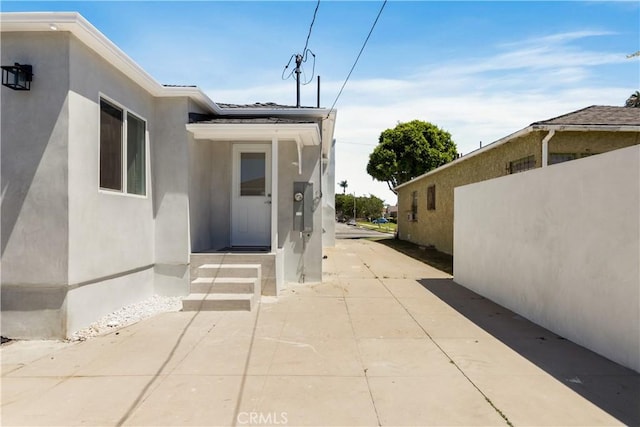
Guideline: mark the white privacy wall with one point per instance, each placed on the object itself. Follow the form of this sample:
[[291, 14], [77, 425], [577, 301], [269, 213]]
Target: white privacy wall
[[560, 246]]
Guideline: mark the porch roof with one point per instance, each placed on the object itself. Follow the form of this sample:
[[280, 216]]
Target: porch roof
[[257, 129]]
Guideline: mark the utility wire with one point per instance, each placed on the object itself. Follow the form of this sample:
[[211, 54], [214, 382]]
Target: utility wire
[[306, 44], [305, 52], [358, 57]]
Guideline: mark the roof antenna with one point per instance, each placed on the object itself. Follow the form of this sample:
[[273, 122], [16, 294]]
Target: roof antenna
[[298, 71]]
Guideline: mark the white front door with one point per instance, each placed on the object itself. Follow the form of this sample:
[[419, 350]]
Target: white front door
[[251, 195]]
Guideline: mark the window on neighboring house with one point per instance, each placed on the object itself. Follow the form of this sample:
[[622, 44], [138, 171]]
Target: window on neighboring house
[[555, 158], [122, 147], [521, 165], [431, 197], [414, 206]]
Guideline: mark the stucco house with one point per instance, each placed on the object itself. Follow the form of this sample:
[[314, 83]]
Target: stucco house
[[426, 203], [116, 187]]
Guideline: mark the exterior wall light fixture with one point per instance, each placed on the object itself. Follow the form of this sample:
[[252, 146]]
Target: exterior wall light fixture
[[17, 76]]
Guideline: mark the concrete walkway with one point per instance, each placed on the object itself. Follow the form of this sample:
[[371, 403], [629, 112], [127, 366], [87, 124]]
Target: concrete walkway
[[384, 340]]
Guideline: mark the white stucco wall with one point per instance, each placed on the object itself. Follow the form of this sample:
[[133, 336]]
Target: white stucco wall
[[70, 251], [329, 199], [109, 232], [220, 161], [34, 162], [560, 246], [34, 180], [302, 251], [200, 184]]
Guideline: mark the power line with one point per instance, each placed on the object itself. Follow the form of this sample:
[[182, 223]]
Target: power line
[[301, 58], [306, 44], [368, 144], [358, 57]]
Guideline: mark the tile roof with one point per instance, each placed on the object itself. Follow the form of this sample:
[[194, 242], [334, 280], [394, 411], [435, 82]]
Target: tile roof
[[246, 120], [597, 115], [257, 105]]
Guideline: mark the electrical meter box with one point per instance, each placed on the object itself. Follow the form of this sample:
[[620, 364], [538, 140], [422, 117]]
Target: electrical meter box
[[303, 206]]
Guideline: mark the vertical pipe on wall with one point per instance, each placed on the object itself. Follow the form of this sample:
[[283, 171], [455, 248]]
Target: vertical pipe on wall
[[274, 193], [545, 147]]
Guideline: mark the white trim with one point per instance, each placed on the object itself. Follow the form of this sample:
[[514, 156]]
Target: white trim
[[274, 193], [308, 133], [77, 25], [124, 149], [588, 128], [236, 150], [545, 148]]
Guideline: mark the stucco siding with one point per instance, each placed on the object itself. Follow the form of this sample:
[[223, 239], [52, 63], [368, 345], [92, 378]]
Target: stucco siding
[[435, 227], [560, 246], [302, 251], [220, 193], [592, 142], [34, 162], [35, 197], [200, 185]]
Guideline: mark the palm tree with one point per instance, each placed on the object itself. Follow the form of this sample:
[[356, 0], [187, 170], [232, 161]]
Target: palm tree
[[634, 100], [344, 186]]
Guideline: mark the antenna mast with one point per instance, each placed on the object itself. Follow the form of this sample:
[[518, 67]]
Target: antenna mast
[[298, 71]]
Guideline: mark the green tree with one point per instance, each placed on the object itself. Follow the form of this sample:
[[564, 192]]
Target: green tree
[[634, 100], [366, 207], [369, 207], [344, 186], [408, 150]]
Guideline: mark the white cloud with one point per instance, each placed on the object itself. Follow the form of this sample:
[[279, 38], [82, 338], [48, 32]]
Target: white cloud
[[475, 99]]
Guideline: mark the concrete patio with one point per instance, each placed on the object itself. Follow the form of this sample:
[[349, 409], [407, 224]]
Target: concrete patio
[[384, 340]]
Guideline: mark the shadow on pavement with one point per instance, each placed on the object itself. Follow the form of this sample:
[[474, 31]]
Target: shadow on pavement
[[612, 387], [428, 255]]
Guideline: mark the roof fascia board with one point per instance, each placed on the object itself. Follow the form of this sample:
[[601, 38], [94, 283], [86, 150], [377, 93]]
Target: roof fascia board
[[77, 25], [308, 133], [588, 128], [301, 112], [486, 148]]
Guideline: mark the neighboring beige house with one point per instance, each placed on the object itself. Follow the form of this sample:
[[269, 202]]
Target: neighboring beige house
[[425, 204], [391, 211]]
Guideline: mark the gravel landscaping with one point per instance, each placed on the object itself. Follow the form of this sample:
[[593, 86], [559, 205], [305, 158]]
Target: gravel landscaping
[[128, 315]]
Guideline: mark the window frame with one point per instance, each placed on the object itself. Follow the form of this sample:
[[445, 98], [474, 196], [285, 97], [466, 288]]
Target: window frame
[[124, 149], [414, 205], [431, 197], [529, 163]]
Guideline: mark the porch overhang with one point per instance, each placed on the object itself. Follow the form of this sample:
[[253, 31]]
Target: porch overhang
[[305, 134]]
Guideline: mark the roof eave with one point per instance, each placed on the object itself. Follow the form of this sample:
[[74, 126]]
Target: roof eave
[[491, 146], [532, 128], [76, 24], [306, 133], [259, 112], [585, 128]]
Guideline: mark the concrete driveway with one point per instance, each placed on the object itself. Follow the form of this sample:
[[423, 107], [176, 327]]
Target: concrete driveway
[[384, 340]]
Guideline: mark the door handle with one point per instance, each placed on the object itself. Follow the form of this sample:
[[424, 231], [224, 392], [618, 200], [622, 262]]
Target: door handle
[[268, 202]]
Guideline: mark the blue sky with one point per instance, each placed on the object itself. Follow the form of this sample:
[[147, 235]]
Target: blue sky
[[480, 70]]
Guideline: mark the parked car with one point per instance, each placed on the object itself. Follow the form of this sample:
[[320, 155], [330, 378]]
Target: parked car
[[380, 221], [352, 222]]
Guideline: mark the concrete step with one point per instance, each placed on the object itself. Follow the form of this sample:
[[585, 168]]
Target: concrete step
[[224, 285], [253, 271], [218, 302], [229, 270]]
